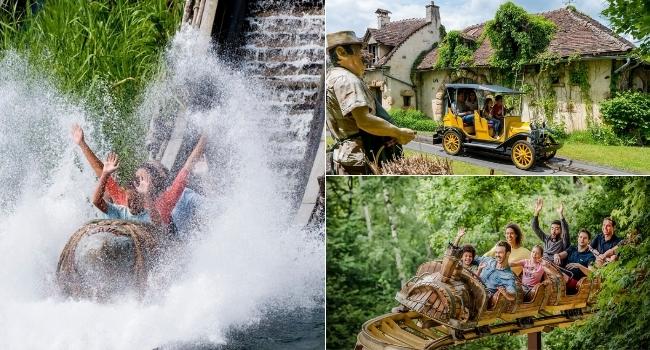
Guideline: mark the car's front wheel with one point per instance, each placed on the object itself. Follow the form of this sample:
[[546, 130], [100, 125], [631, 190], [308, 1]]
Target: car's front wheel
[[451, 142], [523, 155]]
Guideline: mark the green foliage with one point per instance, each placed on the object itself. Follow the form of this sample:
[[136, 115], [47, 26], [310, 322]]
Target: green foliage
[[631, 17], [579, 74], [412, 118], [455, 51], [517, 37], [557, 129], [599, 135], [624, 315], [100, 52], [628, 113], [362, 277], [443, 32]]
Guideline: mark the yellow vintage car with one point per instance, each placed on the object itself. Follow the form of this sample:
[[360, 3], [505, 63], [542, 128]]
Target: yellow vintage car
[[471, 128]]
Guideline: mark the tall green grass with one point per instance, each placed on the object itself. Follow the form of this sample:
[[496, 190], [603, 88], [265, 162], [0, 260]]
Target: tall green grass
[[101, 52]]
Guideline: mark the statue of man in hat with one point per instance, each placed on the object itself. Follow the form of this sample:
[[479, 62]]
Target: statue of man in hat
[[352, 110]]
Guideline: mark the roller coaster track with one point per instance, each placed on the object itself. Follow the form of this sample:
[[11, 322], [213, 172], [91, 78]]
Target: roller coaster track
[[410, 330]]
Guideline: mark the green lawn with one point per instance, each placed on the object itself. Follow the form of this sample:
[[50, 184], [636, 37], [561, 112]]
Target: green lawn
[[634, 159]]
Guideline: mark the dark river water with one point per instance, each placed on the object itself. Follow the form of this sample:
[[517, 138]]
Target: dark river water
[[300, 330]]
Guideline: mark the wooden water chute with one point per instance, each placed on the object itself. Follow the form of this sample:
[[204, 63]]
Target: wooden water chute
[[448, 305], [108, 257]]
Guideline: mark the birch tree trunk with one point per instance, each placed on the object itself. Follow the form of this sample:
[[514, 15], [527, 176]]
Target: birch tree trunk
[[366, 213], [393, 233]]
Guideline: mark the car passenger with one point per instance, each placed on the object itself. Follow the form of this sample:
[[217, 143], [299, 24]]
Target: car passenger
[[533, 270], [486, 112], [467, 108], [514, 238], [498, 113], [558, 241], [471, 103], [496, 274], [578, 260]]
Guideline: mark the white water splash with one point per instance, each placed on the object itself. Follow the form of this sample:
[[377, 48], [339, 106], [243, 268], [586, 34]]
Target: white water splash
[[247, 259]]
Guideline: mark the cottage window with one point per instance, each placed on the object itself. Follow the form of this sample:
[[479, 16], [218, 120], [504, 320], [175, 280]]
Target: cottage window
[[556, 79], [407, 101], [373, 49]]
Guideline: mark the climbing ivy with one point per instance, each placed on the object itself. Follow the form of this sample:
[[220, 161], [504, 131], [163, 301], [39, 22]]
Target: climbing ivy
[[455, 51], [579, 76], [517, 37]]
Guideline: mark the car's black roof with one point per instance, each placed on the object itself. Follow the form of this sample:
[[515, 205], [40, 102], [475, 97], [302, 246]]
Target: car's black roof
[[491, 88]]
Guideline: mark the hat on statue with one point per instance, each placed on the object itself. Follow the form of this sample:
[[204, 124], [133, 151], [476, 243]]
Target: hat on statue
[[346, 37]]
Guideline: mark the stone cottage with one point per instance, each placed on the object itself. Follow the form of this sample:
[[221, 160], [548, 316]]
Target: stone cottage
[[395, 47], [587, 61]]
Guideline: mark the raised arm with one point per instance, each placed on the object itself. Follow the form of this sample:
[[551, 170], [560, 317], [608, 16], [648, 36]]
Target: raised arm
[[196, 154], [539, 203], [459, 236], [565, 227], [111, 165], [114, 190], [78, 138]]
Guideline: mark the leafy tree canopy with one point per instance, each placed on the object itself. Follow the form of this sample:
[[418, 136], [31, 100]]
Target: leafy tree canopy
[[517, 37], [631, 17]]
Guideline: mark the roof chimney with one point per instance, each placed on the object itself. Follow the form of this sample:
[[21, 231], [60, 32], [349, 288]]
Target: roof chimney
[[382, 18], [433, 13]]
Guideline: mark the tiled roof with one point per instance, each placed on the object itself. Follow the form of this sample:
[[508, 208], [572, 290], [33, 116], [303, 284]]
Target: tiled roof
[[576, 33], [394, 34]]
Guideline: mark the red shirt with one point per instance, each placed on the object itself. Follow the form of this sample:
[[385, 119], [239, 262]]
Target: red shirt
[[497, 111], [165, 202]]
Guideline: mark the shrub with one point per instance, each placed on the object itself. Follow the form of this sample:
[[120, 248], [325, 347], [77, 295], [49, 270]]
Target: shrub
[[455, 51], [600, 135], [413, 119], [558, 129], [628, 114]]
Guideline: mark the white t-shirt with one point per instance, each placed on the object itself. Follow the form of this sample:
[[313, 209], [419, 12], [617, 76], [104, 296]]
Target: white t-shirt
[[116, 211]]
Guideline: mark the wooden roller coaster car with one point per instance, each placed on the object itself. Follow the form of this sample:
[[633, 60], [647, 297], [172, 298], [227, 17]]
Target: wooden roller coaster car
[[448, 304]]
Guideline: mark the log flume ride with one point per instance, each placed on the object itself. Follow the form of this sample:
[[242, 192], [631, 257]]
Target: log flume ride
[[448, 305], [105, 258]]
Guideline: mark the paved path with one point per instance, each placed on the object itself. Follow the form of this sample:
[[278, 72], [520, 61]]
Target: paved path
[[555, 166]]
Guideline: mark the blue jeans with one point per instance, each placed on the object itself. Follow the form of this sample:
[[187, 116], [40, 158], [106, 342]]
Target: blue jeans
[[497, 124], [468, 119]]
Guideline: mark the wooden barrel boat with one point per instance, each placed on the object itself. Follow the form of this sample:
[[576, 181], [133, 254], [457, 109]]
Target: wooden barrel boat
[[105, 258]]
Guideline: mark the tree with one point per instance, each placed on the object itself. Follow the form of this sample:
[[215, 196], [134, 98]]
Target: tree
[[631, 17], [517, 37]]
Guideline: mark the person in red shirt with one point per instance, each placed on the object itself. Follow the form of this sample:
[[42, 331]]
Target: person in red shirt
[[498, 112], [151, 172]]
